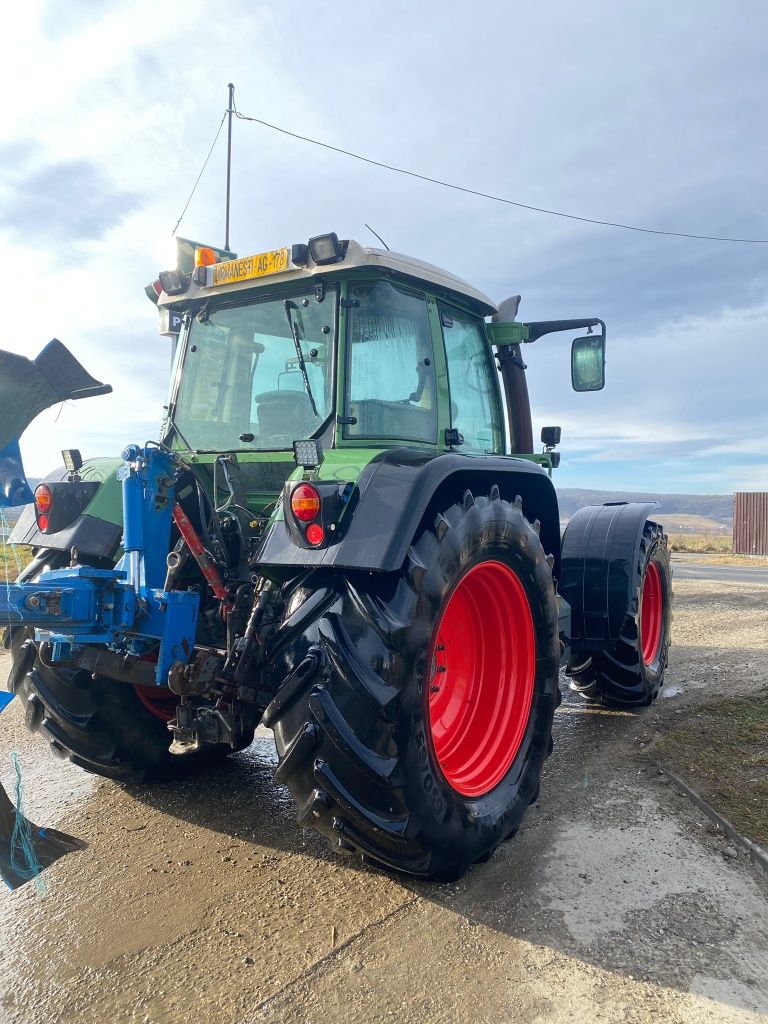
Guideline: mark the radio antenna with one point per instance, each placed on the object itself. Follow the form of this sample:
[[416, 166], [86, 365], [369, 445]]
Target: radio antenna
[[230, 112], [379, 237]]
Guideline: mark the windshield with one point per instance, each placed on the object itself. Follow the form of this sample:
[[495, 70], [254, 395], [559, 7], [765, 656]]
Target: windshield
[[257, 376]]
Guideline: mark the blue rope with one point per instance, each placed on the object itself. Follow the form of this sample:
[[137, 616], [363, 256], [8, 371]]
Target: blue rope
[[23, 858]]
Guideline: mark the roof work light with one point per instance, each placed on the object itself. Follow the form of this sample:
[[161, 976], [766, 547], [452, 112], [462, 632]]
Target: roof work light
[[326, 249], [174, 282]]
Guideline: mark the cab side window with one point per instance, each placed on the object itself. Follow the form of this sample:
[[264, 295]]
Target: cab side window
[[475, 410], [390, 373]]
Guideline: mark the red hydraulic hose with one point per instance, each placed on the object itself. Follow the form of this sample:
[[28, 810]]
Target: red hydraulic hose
[[195, 545]]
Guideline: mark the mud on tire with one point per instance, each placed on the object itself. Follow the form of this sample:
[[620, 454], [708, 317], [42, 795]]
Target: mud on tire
[[633, 673], [352, 718]]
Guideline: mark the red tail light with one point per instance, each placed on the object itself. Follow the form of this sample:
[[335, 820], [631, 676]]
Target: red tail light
[[315, 534], [305, 503], [43, 505]]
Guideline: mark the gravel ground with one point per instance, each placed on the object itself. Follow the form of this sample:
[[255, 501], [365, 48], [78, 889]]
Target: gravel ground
[[617, 901]]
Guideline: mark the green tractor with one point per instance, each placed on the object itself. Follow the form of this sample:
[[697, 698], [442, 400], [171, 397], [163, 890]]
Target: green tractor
[[350, 513]]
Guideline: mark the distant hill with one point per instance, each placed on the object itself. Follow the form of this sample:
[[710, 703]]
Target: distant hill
[[679, 513], [676, 510]]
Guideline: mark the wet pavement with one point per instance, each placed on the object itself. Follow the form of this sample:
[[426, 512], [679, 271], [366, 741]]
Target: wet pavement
[[204, 900]]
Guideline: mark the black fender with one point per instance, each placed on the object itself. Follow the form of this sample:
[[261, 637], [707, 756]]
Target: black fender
[[600, 548], [71, 527], [395, 491]]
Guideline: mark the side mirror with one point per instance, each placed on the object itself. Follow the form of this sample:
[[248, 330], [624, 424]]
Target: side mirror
[[588, 363]]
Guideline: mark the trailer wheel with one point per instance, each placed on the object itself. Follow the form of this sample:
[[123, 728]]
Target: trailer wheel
[[416, 713], [633, 673]]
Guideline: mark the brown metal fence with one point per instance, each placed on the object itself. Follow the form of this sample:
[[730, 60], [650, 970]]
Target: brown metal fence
[[750, 523]]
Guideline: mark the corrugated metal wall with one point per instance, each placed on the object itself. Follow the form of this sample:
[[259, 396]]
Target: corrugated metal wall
[[750, 522]]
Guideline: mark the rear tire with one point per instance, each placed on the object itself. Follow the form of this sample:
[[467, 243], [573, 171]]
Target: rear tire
[[633, 673], [418, 785], [99, 724]]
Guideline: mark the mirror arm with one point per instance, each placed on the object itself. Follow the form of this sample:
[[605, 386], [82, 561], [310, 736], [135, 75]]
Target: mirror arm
[[541, 327]]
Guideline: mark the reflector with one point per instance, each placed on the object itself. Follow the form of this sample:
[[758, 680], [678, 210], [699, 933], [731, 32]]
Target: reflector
[[315, 534]]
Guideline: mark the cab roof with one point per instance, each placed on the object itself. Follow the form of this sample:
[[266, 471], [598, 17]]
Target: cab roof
[[355, 257]]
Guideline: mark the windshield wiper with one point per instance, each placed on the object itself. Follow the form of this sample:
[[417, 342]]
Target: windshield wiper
[[290, 305]]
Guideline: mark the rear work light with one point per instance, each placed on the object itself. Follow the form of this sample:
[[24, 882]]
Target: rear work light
[[326, 249], [305, 503], [43, 505], [174, 282]]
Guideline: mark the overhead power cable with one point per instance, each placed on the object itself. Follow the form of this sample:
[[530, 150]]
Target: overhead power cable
[[494, 198], [197, 180]]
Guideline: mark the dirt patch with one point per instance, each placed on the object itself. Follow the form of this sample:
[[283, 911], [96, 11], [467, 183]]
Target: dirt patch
[[721, 750], [684, 553]]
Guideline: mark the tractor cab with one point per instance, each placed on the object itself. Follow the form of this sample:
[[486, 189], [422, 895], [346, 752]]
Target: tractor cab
[[349, 346]]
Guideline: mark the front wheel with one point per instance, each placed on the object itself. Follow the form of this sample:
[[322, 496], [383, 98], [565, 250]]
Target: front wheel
[[633, 672], [416, 730]]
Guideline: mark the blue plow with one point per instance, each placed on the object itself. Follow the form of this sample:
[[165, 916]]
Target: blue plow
[[27, 387]]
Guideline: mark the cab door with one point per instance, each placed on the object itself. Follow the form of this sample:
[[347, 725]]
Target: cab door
[[475, 405]]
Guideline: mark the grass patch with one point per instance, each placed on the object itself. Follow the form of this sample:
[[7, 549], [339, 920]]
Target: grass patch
[[701, 543], [13, 558], [721, 750]]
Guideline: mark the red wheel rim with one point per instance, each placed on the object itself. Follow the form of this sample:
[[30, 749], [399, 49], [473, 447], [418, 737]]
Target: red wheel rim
[[481, 677], [159, 701], [651, 614]]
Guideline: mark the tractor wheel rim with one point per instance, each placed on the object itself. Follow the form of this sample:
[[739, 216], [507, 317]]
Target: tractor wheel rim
[[481, 672], [651, 614]]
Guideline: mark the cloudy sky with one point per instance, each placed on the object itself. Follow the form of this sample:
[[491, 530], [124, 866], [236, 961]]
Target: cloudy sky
[[648, 113]]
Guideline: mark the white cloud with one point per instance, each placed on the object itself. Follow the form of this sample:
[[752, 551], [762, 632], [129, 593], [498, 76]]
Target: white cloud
[[137, 92]]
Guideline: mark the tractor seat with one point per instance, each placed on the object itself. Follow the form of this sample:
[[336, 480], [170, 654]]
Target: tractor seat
[[280, 413]]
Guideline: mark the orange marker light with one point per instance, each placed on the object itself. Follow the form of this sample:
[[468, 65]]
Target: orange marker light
[[305, 503], [43, 505], [205, 257], [43, 499]]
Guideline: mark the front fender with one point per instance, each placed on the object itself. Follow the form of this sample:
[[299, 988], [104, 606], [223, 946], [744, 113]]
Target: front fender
[[601, 546]]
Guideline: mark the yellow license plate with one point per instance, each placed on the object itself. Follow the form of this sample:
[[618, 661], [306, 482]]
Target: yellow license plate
[[261, 265]]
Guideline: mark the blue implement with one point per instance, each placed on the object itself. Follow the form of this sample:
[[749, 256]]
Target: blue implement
[[126, 608]]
